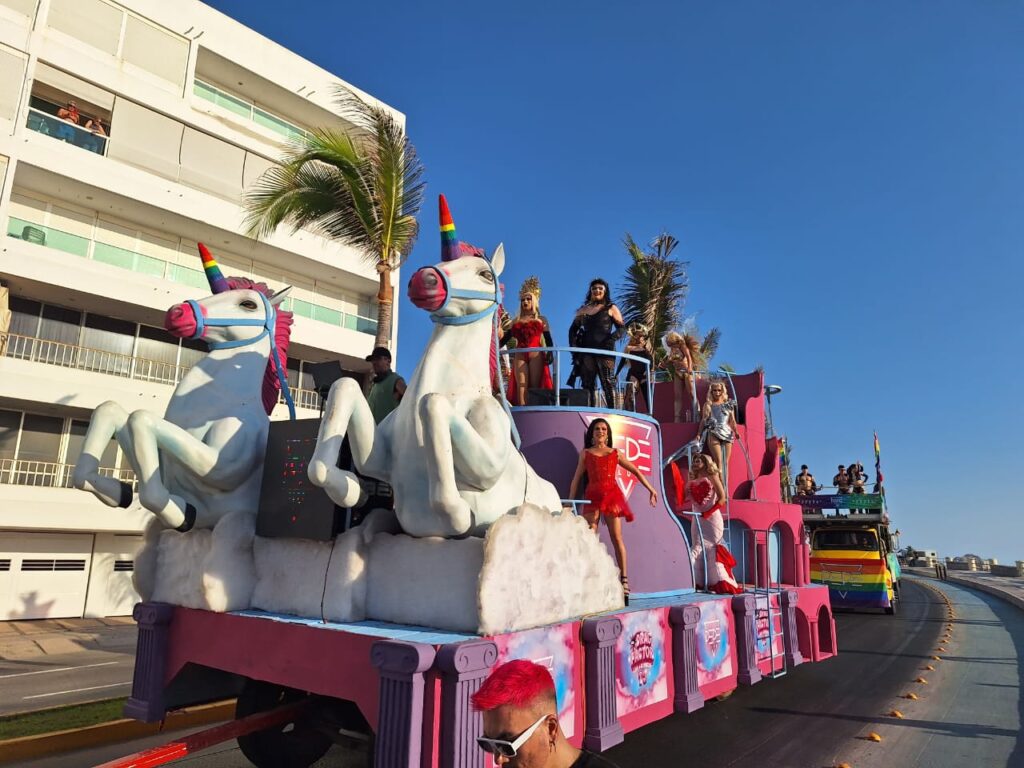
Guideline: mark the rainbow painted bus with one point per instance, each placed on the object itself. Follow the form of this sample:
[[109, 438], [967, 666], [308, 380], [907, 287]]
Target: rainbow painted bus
[[853, 555]]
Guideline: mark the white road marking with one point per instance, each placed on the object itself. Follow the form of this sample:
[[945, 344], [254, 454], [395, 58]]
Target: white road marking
[[59, 669], [75, 690]]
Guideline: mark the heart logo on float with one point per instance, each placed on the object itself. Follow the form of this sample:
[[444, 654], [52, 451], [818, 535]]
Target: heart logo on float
[[633, 438]]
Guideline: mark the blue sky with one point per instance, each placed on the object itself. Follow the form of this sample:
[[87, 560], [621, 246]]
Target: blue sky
[[846, 180]]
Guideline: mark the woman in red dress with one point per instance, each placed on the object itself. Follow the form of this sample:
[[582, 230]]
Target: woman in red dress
[[529, 329], [605, 499]]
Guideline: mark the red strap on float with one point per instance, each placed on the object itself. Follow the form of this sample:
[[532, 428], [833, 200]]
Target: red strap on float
[[196, 742]]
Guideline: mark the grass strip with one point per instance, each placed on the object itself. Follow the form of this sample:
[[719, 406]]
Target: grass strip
[[61, 718]]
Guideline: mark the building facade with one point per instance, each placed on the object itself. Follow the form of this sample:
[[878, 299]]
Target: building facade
[[128, 132]]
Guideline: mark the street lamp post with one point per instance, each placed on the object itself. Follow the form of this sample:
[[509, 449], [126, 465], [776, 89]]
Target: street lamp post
[[769, 390]]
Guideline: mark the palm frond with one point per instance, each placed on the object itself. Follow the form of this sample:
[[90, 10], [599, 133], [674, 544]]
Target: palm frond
[[655, 285], [709, 344], [362, 186]]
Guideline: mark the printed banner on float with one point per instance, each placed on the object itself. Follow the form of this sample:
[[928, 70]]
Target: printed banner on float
[[840, 501]]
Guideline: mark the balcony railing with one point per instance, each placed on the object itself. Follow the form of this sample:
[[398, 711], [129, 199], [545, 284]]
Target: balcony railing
[[115, 364], [51, 474], [247, 110], [95, 249], [63, 130], [94, 360]]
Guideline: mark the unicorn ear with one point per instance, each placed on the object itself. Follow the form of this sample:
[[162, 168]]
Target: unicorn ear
[[280, 296], [498, 259]]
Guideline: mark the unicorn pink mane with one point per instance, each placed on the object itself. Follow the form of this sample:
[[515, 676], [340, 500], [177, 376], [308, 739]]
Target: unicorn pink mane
[[282, 334]]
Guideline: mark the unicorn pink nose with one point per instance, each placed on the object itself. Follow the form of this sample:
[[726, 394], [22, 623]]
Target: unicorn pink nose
[[180, 320], [427, 289]]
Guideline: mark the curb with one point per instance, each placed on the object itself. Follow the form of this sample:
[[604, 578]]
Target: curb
[[30, 747], [981, 587]]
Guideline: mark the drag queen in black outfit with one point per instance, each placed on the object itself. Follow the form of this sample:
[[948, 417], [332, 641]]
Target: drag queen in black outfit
[[596, 326]]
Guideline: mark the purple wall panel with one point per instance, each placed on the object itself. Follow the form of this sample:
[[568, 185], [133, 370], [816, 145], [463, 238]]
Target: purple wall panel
[[658, 552]]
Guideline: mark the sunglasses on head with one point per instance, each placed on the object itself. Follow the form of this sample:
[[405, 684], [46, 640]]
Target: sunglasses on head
[[505, 748]]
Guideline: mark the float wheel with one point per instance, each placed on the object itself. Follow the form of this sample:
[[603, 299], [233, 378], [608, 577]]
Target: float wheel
[[295, 744]]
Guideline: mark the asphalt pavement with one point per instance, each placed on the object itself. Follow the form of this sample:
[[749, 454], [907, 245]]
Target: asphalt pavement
[[51, 663]]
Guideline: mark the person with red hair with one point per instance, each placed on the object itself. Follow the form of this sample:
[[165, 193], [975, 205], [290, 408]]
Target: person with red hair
[[521, 727]]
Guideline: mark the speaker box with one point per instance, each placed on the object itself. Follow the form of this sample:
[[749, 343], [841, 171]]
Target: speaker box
[[291, 506]]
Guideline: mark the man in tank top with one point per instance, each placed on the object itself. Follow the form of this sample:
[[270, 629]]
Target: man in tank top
[[387, 387]]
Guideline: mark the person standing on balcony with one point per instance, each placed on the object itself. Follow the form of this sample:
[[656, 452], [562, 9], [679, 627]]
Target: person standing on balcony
[[96, 141], [70, 114], [387, 387]]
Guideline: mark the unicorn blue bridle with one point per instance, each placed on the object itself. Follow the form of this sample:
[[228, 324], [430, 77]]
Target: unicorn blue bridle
[[268, 323], [495, 299]]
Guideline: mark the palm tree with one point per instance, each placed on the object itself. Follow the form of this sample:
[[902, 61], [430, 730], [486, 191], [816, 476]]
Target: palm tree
[[655, 286], [361, 187]]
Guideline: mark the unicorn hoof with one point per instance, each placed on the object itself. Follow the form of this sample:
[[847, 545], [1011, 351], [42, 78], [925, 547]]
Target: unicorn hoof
[[190, 519], [126, 496]]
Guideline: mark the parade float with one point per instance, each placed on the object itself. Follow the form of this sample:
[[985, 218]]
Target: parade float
[[256, 585]]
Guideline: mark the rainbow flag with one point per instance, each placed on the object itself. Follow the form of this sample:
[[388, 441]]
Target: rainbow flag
[[783, 454], [878, 461]]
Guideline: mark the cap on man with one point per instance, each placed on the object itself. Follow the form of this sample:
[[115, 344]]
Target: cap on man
[[521, 727], [387, 388]]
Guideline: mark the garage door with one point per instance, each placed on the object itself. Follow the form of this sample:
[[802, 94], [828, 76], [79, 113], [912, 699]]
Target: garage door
[[43, 575], [111, 592]]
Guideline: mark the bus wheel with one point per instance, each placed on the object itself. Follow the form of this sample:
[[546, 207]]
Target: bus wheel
[[297, 744]]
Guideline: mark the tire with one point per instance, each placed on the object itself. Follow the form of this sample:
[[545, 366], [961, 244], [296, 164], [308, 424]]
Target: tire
[[301, 745]]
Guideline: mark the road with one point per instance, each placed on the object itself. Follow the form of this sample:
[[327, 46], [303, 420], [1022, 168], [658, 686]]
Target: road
[[969, 713], [69, 678]]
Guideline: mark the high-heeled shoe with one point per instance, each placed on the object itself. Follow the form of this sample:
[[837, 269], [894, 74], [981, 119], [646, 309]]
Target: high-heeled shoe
[[625, 589]]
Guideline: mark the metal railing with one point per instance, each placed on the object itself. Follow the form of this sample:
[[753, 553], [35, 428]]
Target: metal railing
[[51, 474], [94, 360], [64, 130], [624, 396], [123, 366]]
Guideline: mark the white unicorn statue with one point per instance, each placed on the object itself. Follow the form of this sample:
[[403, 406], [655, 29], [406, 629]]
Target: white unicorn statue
[[202, 461], [447, 449]]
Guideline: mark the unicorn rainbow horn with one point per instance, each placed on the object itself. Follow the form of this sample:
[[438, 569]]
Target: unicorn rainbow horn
[[218, 284], [449, 240]]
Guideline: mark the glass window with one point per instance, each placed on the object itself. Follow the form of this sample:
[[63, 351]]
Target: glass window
[[76, 439], [192, 351], [24, 316], [306, 378], [40, 438], [156, 355], [102, 336], [10, 423], [59, 324]]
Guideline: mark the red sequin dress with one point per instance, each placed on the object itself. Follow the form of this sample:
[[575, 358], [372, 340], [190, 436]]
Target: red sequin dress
[[528, 334], [603, 492]]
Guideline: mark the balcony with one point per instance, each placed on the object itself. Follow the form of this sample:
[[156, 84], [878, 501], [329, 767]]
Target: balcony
[[247, 111], [123, 258], [51, 474], [113, 364], [62, 130]]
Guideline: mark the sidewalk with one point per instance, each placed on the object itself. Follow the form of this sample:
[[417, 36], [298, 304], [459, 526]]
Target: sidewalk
[[26, 640], [1009, 588]]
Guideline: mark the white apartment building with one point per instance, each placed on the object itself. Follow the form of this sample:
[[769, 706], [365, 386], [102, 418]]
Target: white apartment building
[[101, 229]]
